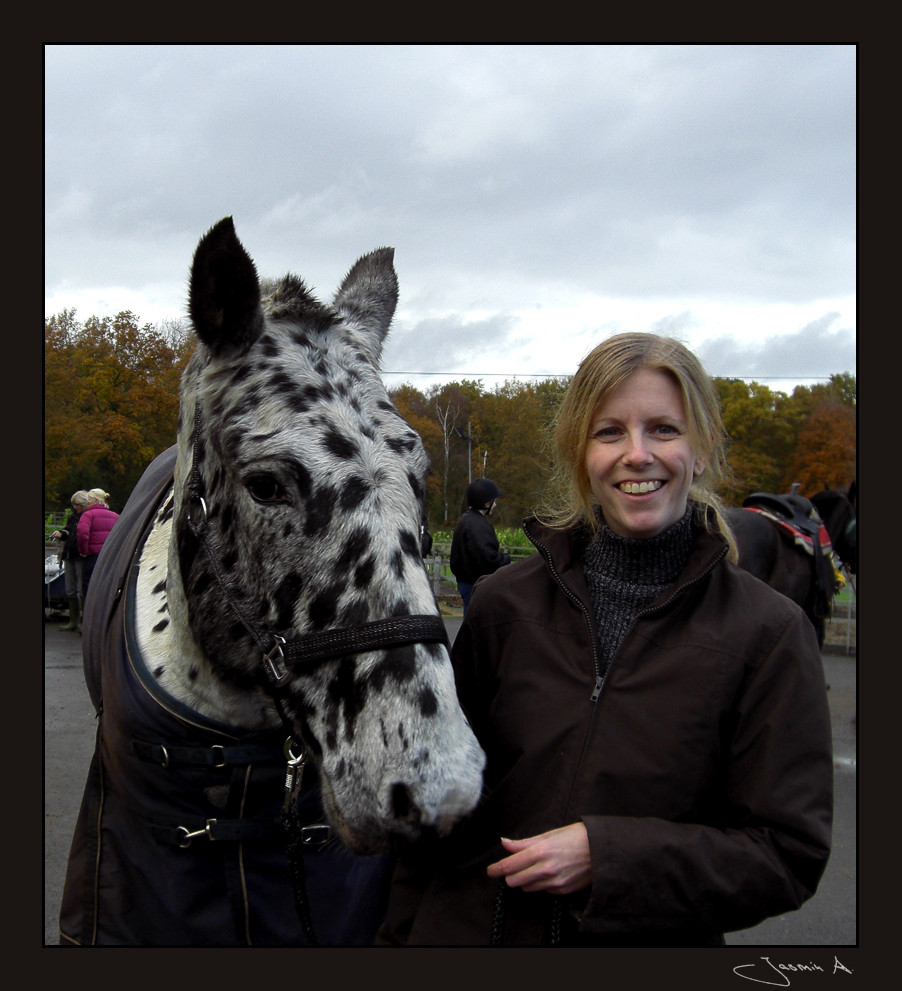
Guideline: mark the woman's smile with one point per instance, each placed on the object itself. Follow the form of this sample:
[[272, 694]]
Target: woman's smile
[[639, 488]]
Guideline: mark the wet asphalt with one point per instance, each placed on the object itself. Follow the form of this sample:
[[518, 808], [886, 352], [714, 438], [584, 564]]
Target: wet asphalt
[[828, 919]]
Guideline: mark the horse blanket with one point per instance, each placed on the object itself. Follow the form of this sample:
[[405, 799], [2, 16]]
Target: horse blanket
[[162, 772]]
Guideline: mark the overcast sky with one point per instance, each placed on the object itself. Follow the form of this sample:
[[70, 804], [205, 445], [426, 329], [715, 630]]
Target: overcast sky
[[539, 198]]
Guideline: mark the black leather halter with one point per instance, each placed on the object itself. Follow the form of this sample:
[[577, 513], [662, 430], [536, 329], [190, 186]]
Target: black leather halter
[[281, 656]]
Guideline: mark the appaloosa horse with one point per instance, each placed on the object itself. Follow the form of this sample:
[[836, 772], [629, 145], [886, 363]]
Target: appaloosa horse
[[783, 541], [262, 644]]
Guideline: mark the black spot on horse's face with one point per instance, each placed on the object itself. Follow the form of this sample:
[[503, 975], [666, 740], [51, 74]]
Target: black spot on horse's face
[[339, 445], [428, 702], [354, 491], [410, 544]]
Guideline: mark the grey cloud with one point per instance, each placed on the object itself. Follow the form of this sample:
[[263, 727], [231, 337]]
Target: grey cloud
[[445, 344], [817, 350], [711, 172]]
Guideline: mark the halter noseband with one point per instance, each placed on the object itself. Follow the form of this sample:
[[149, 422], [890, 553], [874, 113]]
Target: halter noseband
[[280, 656]]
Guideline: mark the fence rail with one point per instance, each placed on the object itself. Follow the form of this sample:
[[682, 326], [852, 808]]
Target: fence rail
[[52, 521], [842, 627], [438, 565]]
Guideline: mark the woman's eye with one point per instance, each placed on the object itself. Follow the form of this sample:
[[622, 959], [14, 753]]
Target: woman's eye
[[266, 489]]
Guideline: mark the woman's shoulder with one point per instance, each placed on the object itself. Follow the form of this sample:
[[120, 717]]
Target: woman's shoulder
[[753, 600], [513, 580]]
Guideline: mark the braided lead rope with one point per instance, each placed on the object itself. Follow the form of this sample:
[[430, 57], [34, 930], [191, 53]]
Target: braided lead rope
[[498, 914], [554, 933], [497, 934], [298, 875]]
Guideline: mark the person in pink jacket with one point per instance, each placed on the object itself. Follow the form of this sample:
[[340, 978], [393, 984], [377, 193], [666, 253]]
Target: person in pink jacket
[[93, 528]]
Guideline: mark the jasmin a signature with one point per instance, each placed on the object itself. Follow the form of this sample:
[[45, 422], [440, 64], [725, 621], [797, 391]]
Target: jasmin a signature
[[777, 974]]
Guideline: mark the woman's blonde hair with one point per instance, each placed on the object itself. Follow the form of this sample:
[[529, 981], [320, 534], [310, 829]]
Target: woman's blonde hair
[[79, 498], [98, 495], [605, 368]]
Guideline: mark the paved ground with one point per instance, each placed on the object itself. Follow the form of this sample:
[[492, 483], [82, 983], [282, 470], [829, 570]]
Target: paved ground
[[829, 919]]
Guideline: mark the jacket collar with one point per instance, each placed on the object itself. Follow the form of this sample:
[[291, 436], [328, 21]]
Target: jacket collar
[[562, 549]]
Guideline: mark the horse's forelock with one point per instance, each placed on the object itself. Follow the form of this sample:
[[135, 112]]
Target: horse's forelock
[[290, 300]]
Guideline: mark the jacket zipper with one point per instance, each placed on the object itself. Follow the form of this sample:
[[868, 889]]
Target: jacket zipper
[[601, 679]]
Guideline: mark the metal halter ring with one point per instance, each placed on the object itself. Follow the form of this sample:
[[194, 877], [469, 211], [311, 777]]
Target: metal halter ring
[[290, 756], [188, 836]]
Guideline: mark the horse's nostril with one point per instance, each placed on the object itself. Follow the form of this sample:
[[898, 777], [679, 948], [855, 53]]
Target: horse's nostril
[[400, 801]]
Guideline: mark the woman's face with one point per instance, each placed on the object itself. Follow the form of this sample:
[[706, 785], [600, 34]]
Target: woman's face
[[639, 459]]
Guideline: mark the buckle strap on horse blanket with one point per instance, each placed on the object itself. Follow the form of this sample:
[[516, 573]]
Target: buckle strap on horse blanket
[[217, 755], [310, 837], [215, 830]]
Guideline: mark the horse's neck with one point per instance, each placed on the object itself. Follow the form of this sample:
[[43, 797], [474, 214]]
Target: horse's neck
[[168, 650]]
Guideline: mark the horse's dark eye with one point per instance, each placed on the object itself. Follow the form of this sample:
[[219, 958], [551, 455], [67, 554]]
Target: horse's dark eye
[[265, 488]]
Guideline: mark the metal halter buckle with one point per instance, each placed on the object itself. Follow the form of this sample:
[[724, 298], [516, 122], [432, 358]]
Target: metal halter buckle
[[316, 835], [274, 660]]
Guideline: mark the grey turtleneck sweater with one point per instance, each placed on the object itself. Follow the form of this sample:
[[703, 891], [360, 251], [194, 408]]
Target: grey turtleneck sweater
[[625, 575]]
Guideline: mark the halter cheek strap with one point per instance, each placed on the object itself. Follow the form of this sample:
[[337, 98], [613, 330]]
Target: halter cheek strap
[[281, 656]]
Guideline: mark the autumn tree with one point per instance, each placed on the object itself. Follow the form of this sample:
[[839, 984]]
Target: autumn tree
[[452, 406], [417, 411], [111, 405], [776, 440], [110, 402], [758, 441], [825, 456], [512, 427]]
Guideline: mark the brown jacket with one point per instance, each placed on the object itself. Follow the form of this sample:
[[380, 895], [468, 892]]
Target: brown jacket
[[701, 765]]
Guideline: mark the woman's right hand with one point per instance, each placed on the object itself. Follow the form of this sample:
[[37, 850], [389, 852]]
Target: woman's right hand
[[558, 861]]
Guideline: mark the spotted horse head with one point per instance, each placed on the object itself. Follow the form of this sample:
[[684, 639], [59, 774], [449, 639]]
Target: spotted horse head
[[294, 560]]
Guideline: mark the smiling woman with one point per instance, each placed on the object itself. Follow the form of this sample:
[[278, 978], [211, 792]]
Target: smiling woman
[[655, 720], [640, 459]]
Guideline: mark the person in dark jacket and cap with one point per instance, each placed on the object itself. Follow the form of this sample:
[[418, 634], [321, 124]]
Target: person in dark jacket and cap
[[474, 547]]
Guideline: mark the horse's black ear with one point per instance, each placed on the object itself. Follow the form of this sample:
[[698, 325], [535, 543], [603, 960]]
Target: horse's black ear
[[225, 291]]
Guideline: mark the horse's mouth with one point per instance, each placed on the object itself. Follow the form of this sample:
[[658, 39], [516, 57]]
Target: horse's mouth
[[375, 836]]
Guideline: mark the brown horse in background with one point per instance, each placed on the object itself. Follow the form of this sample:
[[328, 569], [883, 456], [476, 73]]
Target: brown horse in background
[[780, 541]]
